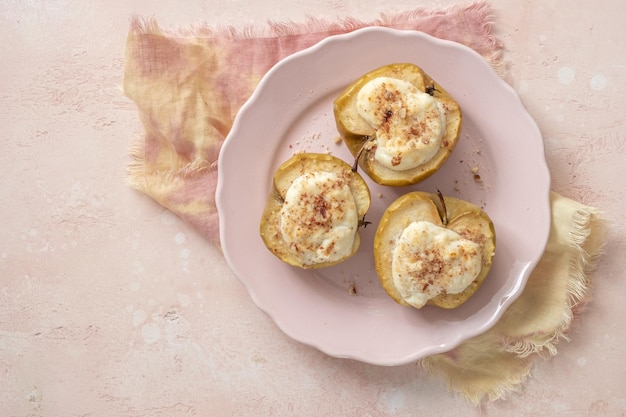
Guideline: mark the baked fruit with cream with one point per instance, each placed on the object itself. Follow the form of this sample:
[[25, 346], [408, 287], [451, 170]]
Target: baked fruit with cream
[[431, 249], [314, 211], [399, 123]]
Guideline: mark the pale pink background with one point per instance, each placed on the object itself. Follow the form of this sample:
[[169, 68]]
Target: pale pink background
[[110, 306]]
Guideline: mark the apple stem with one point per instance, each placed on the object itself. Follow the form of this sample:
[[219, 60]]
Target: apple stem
[[444, 211], [430, 90], [363, 222], [355, 165]]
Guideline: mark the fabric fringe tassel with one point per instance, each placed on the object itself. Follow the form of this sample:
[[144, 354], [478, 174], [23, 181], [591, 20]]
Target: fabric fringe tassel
[[588, 249], [315, 25]]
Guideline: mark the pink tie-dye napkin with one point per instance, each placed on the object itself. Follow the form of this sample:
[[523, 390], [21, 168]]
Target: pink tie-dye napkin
[[188, 86]]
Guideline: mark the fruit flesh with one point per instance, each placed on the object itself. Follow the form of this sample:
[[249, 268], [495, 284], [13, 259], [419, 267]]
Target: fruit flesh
[[358, 135], [464, 218]]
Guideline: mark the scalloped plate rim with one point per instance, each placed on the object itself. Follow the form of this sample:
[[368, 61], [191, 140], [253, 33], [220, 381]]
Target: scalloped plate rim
[[268, 305]]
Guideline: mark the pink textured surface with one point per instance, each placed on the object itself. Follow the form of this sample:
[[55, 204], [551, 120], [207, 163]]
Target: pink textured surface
[[111, 306]]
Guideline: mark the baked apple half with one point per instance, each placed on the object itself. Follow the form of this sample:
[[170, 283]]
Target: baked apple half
[[399, 123], [431, 249], [314, 211]]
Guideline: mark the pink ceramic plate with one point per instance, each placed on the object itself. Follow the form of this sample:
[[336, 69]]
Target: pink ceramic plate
[[343, 310]]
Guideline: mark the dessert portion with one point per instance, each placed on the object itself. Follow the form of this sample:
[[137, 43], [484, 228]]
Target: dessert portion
[[399, 124], [314, 211], [431, 249]]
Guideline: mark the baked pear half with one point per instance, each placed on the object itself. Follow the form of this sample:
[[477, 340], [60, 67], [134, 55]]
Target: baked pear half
[[314, 211], [431, 249], [399, 123]]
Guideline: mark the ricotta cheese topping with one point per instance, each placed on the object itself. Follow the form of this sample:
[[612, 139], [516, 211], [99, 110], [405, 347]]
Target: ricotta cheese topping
[[429, 260], [319, 219], [409, 123]]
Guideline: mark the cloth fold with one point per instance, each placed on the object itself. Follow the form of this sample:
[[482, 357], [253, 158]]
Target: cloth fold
[[188, 86]]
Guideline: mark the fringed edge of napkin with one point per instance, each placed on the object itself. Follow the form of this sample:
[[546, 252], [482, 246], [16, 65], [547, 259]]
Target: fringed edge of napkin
[[399, 20], [312, 24], [588, 236]]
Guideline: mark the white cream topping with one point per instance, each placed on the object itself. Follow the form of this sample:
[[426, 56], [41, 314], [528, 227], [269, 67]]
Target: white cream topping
[[429, 260], [409, 123], [319, 218]]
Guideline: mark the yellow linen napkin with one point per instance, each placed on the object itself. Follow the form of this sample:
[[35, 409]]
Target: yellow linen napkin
[[188, 87], [496, 362]]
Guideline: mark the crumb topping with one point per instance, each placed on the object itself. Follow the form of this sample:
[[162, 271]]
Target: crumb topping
[[429, 260], [319, 217], [409, 123]]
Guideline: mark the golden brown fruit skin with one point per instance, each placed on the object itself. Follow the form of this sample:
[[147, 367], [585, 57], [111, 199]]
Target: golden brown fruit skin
[[283, 177], [355, 132], [468, 220]]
